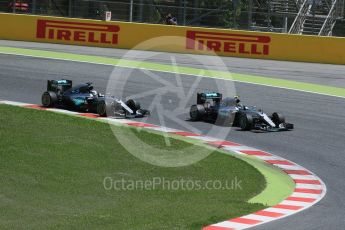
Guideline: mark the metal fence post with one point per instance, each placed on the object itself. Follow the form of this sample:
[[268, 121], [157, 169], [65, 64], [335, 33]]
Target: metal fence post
[[250, 14], [131, 11], [235, 5], [285, 17], [184, 11], [33, 6], [269, 23], [69, 8], [14, 6], [140, 18]]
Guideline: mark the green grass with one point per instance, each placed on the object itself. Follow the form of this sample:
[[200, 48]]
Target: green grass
[[53, 166]]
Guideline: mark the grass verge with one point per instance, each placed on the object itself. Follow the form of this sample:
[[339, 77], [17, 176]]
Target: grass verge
[[53, 169]]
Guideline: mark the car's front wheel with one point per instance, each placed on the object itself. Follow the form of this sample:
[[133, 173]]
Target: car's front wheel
[[133, 105], [49, 99], [278, 118]]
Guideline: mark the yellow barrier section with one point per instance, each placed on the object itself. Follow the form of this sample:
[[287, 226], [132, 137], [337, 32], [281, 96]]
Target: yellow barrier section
[[194, 40]]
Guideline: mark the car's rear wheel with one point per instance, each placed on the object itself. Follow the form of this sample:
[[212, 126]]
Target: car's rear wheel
[[278, 118], [246, 122], [49, 99], [196, 112]]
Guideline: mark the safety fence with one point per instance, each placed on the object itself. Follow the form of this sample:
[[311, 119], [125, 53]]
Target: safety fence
[[205, 13], [254, 15]]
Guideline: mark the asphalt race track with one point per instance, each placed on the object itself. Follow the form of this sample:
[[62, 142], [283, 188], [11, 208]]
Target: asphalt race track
[[317, 143], [325, 74]]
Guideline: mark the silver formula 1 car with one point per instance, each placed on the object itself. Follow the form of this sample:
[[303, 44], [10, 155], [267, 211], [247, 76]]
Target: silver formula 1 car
[[83, 97], [211, 107]]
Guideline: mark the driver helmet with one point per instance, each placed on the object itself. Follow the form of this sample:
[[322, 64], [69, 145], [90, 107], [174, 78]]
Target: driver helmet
[[237, 99]]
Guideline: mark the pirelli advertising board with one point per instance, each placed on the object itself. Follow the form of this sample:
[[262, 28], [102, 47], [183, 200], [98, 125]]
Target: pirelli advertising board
[[191, 39]]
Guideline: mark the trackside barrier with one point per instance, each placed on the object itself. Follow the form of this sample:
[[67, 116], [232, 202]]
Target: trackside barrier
[[126, 35]]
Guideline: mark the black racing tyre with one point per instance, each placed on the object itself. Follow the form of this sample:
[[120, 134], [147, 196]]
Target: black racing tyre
[[102, 108], [246, 122], [278, 118], [197, 112], [133, 105], [49, 99]]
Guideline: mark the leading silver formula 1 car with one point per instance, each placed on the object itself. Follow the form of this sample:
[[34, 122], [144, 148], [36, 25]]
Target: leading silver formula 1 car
[[211, 107]]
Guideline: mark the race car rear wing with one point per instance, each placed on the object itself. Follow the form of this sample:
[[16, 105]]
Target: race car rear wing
[[59, 85], [202, 97]]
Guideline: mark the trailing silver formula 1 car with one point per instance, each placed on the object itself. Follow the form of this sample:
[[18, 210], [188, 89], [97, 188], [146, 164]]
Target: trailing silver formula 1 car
[[211, 107], [83, 97]]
